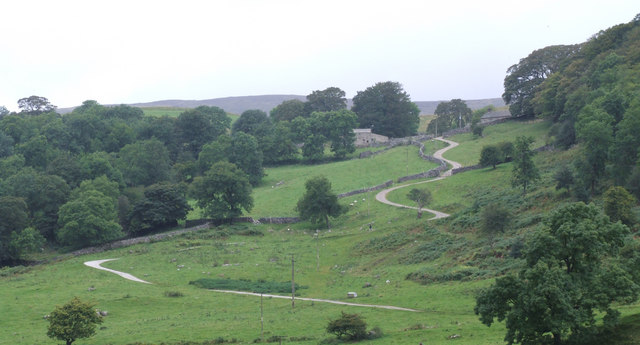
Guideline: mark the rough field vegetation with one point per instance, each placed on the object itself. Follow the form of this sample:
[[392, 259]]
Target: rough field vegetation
[[436, 267]]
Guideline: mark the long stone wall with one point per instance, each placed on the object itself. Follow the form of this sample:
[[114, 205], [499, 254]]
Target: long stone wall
[[365, 190]]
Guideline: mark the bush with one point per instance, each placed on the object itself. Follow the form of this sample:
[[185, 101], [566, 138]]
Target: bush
[[351, 326], [173, 294]]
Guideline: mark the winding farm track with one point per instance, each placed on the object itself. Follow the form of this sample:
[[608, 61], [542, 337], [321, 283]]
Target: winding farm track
[[382, 196], [97, 264]]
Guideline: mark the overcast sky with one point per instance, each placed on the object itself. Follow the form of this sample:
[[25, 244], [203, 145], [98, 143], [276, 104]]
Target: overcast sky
[[140, 51]]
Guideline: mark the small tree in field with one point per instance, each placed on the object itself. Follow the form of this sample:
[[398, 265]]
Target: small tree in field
[[318, 202], [524, 169], [490, 156], [495, 219], [421, 197], [73, 321], [352, 326]]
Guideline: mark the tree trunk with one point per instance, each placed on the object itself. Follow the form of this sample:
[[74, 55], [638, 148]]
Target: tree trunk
[[419, 213], [556, 339], [326, 218]]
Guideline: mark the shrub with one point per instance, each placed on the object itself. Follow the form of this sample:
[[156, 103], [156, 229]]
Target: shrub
[[351, 326], [173, 294]]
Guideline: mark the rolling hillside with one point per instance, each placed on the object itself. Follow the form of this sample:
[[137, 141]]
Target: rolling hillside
[[236, 105]]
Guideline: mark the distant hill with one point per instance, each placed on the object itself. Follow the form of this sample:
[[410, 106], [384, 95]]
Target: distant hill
[[237, 105]]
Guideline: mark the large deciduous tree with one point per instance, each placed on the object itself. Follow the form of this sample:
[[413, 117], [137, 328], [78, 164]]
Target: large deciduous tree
[[288, 110], [254, 122], [223, 192], [329, 99], [452, 114], [339, 126], [196, 127], [246, 155], [571, 275], [35, 105], [523, 78], [387, 109], [318, 202], [144, 162], [74, 320], [163, 205], [13, 217], [89, 219]]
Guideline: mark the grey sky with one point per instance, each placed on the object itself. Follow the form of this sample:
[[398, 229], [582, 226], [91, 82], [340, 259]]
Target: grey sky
[[137, 51]]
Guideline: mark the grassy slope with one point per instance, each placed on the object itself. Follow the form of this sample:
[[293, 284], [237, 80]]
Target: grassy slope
[[141, 313], [278, 201]]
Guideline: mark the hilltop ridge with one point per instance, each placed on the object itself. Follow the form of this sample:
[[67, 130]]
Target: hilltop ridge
[[237, 105]]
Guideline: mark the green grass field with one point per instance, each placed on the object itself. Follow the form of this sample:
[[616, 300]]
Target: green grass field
[[280, 200], [331, 264]]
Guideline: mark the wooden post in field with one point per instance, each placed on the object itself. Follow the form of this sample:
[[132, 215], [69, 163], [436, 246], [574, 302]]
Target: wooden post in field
[[293, 284], [317, 251], [261, 321]]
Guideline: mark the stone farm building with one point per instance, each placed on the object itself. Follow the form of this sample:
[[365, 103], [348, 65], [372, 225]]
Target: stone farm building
[[365, 138]]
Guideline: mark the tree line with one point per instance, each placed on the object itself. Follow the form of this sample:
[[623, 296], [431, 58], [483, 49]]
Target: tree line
[[100, 173], [590, 92]]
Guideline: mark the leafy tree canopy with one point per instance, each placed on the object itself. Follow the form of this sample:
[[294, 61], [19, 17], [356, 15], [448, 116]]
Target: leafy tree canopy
[[318, 202], [35, 105], [329, 99], [72, 321], [571, 273], [387, 109], [223, 192]]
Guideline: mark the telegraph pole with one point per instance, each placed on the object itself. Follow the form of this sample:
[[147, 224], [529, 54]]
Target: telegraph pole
[[317, 251], [293, 284]]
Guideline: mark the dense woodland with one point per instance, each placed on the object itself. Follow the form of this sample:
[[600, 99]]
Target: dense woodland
[[101, 173], [591, 93]]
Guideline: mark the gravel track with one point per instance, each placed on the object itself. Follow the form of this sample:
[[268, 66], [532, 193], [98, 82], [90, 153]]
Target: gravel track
[[382, 195]]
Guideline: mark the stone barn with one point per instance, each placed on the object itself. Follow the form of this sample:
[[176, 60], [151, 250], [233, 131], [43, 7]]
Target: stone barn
[[365, 138]]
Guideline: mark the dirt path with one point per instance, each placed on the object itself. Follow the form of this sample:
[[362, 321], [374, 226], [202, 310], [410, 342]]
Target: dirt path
[[97, 264], [382, 196]]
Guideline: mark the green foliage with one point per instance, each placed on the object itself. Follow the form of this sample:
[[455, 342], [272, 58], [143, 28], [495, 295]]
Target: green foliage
[[524, 78], [495, 219], [260, 286], [254, 122], [87, 220], [196, 127], [27, 241], [524, 170], [618, 203], [246, 155], [162, 206], [349, 326], [144, 162], [421, 197], [288, 110], [564, 178], [387, 109], [35, 105], [13, 218], [570, 273], [328, 100], [72, 321], [490, 156], [223, 192], [449, 115], [339, 126], [318, 202]]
